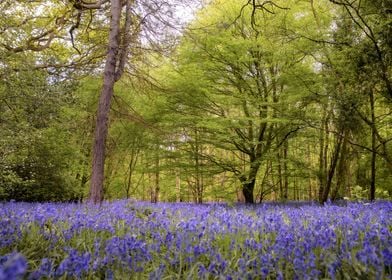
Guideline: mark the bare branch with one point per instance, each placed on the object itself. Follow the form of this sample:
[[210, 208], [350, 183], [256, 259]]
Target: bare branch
[[73, 27], [258, 6], [125, 41], [360, 21], [34, 43], [84, 5]]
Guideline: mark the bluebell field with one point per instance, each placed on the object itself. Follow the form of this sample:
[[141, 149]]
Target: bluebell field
[[136, 240]]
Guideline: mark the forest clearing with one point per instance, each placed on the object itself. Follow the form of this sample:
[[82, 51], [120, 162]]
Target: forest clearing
[[197, 101]]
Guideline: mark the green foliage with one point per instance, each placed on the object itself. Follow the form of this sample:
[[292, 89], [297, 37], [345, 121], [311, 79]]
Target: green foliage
[[35, 153]]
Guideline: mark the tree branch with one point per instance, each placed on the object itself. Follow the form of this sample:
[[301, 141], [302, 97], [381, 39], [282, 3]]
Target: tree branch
[[84, 5], [125, 41]]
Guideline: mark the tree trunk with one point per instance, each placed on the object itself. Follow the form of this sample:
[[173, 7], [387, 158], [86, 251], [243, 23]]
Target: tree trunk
[[151, 187], [372, 192], [331, 169], [101, 128], [248, 182], [156, 190], [131, 167], [285, 171], [323, 154], [310, 188], [247, 190], [280, 175], [129, 181], [199, 176], [178, 187], [341, 180]]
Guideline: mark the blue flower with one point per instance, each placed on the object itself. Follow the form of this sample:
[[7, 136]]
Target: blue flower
[[76, 264], [13, 266], [45, 270]]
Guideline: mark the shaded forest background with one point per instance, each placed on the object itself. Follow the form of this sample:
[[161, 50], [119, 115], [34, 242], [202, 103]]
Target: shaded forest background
[[249, 101]]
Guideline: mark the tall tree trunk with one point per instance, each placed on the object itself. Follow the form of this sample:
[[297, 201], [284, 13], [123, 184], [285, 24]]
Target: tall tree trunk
[[273, 183], [129, 183], [101, 128], [285, 171], [323, 153], [310, 188], [332, 168], [200, 191], [151, 187], [280, 175], [156, 190], [144, 195], [264, 180], [129, 180], [341, 174], [295, 190], [114, 68], [178, 187], [131, 169], [199, 176], [372, 192]]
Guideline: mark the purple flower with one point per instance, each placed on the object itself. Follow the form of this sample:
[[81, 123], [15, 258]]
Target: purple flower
[[387, 256], [13, 266], [293, 241], [76, 264], [45, 269]]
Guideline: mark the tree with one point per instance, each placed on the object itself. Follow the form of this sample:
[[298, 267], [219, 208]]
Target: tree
[[114, 68], [35, 147], [233, 84], [365, 72], [372, 27], [118, 47], [75, 23]]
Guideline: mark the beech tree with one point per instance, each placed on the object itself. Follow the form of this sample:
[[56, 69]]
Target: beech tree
[[232, 76], [114, 68], [72, 24], [125, 25]]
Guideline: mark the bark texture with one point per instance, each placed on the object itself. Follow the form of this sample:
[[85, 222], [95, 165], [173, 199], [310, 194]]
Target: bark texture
[[113, 69]]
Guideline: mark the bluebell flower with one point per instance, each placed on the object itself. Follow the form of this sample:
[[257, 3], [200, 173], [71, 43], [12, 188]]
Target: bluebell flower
[[202, 271], [13, 266], [266, 237], [264, 272], [76, 264], [387, 256], [45, 269]]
